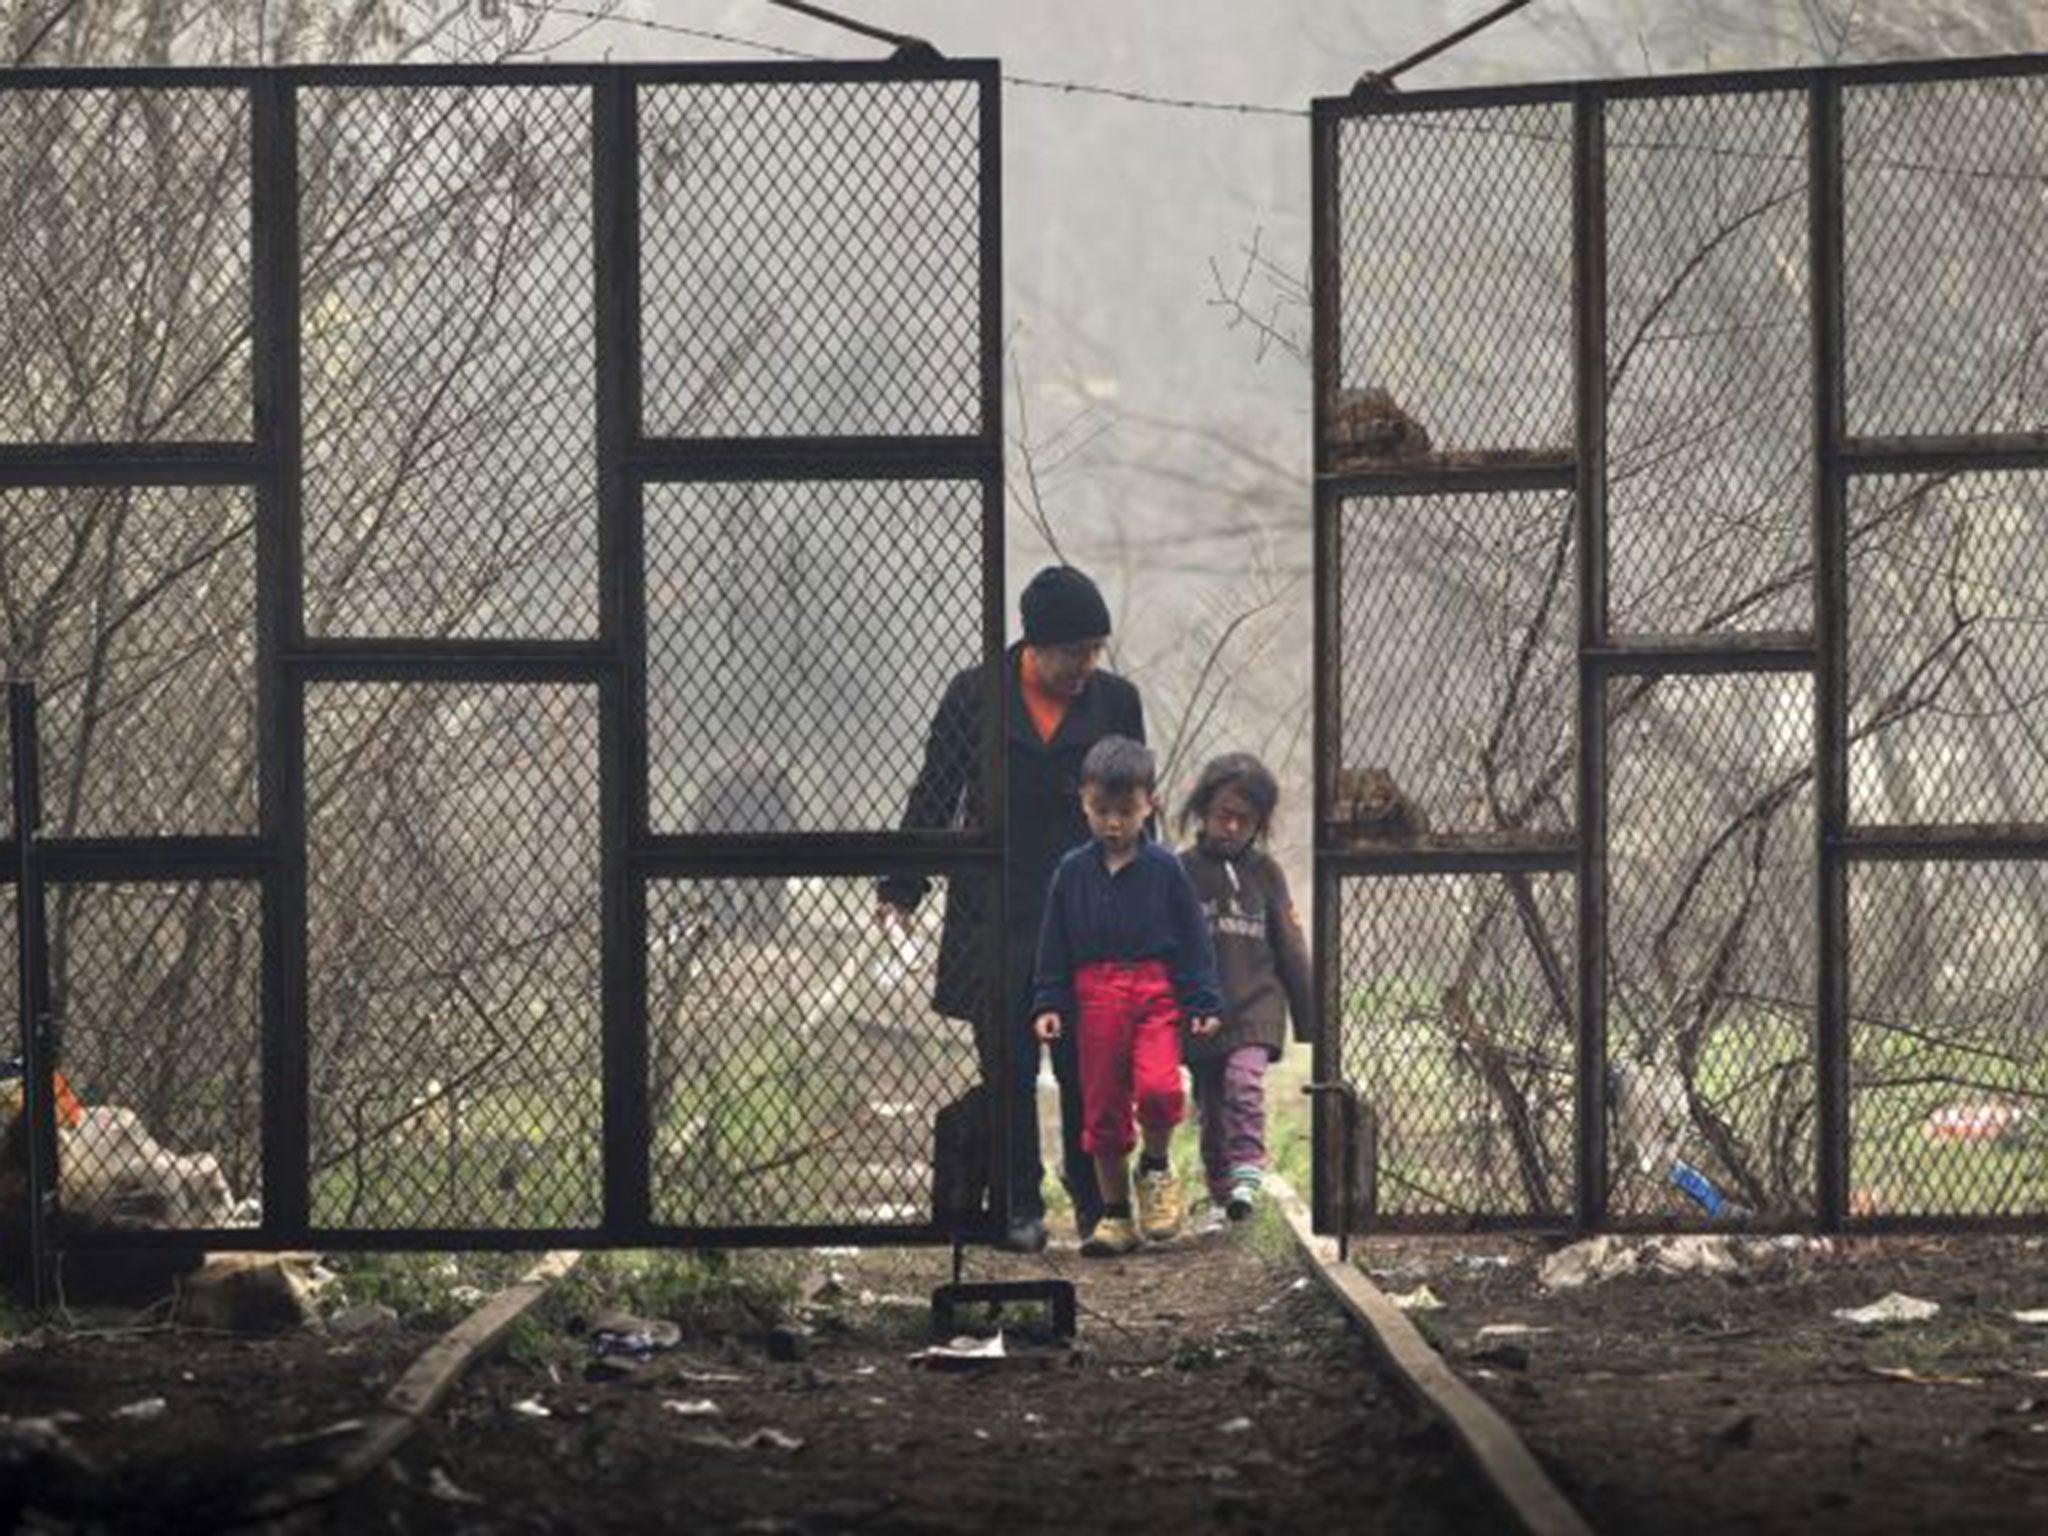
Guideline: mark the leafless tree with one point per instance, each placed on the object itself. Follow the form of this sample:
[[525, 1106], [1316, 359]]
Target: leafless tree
[[443, 953]]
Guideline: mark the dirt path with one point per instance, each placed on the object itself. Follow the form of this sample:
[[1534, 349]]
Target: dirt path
[[1212, 1390]]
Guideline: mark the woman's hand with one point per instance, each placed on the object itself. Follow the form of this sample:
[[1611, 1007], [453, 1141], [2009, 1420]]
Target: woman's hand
[[1206, 1024]]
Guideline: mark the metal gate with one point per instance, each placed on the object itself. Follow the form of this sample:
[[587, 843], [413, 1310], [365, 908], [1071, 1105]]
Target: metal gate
[[489, 543], [1682, 796]]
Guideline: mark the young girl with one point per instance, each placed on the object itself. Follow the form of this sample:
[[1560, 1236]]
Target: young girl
[[1263, 961]]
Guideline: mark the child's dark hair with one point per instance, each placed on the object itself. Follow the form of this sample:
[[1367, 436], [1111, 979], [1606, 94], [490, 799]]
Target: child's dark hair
[[1245, 774], [1117, 765]]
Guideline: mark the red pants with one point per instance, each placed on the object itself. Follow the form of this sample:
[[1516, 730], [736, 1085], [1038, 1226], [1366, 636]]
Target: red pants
[[1129, 1045]]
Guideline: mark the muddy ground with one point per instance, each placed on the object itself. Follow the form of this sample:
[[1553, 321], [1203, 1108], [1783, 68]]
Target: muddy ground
[[1213, 1387], [1673, 1405]]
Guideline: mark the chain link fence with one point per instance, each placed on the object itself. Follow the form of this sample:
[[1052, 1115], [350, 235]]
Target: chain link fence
[[488, 545], [1680, 452]]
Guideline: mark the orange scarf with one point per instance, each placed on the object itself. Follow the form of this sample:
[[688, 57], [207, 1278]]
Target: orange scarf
[[1047, 709]]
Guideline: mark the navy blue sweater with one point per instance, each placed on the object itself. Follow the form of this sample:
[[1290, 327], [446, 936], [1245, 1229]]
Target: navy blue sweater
[[1147, 910]]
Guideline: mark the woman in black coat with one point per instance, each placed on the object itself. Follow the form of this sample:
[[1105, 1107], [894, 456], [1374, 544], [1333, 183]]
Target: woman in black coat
[[1060, 703]]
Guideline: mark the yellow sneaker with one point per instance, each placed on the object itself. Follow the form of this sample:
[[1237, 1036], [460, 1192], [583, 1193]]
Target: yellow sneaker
[[1159, 1205], [1113, 1237]]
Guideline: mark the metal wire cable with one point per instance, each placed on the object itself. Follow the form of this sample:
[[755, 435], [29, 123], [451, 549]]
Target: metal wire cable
[[1029, 82]]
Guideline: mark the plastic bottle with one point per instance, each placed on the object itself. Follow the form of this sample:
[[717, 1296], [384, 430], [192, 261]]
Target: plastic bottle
[[1697, 1185]]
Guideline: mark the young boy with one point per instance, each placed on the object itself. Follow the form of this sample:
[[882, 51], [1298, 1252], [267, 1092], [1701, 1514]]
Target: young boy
[[1123, 951]]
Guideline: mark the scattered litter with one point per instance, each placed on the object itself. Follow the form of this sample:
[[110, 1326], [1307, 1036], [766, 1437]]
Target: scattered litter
[[252, 1293], [1421, 1299], [1237, 1426], [890, 1213], [764, 1439], [828, 1289], [1596, 1259], [837, 1253], [1924, 1379], [715, 1378], [1034, 1418], [447, 1490], [981, 1434], [467, 1296], [864, 1370], [1698, 1187], [892, 1300], [147, 1408], [1300, 1283], [624, 1336], [962, 1351], [1988, 1120], [1482, 1261], [533, 1408], [2037, 1315], [1894, 1308], [692, 1408], [1510, 1331]]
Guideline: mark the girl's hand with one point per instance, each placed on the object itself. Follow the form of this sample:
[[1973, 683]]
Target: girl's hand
[[1207, 1024], [1047, 1027]]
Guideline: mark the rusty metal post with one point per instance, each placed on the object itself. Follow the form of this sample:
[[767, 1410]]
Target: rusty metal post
[[1328, 724], [1831, 661], [38, 1109], [1589, 305]]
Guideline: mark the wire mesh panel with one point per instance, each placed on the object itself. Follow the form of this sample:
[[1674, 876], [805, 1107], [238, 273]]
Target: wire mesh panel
[[132, 611], [1711, 944], [1948, 648], [124, 265], [1455, 322], [452, 986], [322, 393], [1948, 1047], [1790, 325], [800, 636], [811, 258], [1458, 662], [159, 1106], [447, 289], [1709, 366], [1457, 1023], [797, 1067], [1946, 255]]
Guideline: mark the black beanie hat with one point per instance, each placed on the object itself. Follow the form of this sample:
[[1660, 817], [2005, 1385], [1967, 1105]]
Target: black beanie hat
[[1061, 606]]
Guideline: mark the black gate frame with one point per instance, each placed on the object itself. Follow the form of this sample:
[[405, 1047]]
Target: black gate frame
[[287, 660], [1837, 457]]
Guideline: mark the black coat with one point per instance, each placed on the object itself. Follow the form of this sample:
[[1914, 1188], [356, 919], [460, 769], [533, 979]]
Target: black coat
[[1044, 814]]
